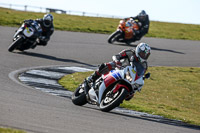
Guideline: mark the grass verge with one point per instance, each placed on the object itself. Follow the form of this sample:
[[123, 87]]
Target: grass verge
[[172, 92], [9, 130], [101, 25]]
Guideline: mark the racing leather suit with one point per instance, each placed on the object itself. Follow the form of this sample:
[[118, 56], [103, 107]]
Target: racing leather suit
[[124, 58], [46, 32], [144, 28]]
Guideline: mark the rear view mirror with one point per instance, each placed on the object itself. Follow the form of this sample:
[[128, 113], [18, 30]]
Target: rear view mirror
[[147, 76]]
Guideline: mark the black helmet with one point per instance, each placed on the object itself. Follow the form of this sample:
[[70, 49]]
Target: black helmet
[[47, 20], [142, 15]]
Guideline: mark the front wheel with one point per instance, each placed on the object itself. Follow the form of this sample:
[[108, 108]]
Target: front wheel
[[79, 96], [110, 101], [15, 44], [114, 36]]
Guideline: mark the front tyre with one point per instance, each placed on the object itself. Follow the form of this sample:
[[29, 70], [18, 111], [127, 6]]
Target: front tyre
[[114, 36], [110, 101], [79, 96], [15, 44]]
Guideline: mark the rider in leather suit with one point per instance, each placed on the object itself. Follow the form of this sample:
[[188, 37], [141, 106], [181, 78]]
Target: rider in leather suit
[[47, 28], [137, 58], [143, 20]]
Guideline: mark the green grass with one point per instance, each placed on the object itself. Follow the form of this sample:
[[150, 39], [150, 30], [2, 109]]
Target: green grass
[[172, 92], [101, 25], [9, 130]]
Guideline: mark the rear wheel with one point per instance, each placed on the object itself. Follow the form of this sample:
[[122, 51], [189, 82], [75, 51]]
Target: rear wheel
[[114, 36], [79, 96], [110, 100], [15, 44]]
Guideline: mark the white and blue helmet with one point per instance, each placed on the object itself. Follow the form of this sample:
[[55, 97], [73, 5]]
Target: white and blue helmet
[[47, 20], [143, 51]]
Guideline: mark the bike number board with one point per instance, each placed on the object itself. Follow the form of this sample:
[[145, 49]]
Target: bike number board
[[28, 32]]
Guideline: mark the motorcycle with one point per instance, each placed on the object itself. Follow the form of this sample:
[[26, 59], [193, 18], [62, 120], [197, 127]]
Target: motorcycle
[[111, 89], [26, 36], [125, 31]]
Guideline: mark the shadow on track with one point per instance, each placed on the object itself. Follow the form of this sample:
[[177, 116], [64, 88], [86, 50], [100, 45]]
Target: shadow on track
[[152, 119], [153, 48], [52, 58], [161, 120]]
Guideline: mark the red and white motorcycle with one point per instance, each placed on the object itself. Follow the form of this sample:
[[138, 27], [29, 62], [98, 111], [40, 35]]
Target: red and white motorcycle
[[110, 89]]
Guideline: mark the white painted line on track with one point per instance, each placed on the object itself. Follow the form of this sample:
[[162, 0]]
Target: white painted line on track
[[56, 92], [38, 80], [77, 69], [45, 73]]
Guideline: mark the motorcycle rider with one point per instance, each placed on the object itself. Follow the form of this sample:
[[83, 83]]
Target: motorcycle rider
[[137, 58], [47, 26], [143, 20]]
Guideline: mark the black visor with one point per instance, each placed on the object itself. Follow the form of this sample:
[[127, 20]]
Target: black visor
[[47, 22], [144, 55]]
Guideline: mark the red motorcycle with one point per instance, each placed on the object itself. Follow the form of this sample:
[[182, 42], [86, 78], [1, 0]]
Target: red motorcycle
[[111, 89], [125, 31]]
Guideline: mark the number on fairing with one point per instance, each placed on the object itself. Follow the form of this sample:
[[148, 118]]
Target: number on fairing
[[28, 32]]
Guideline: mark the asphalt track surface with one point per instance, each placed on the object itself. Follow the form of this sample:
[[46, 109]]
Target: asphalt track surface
[[32, 110]]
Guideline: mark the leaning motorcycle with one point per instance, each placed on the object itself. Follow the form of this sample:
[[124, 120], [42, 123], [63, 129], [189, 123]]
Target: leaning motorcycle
[[26, 36], [125, 31], [111, 89]]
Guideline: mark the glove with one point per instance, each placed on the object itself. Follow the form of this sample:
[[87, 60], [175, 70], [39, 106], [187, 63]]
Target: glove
[[43, 38], [118, 64], [136, 32], [146, 76], [28, 21]]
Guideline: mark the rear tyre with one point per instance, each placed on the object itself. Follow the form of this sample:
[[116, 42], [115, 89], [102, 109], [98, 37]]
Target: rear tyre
[[114, 36], [110, 102], [79, 96], [15, 44]]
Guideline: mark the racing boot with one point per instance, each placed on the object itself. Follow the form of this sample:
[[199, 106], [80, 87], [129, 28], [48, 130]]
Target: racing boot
[[86, 87], [86, 90], [93, 77]]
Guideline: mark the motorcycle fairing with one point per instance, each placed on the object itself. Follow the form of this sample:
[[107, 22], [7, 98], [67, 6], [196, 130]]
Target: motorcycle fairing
[[128, 33], [18, 31], [109, 79], [93, 95], [118, 86], [101, 91], [114, 76], [136, 80]]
